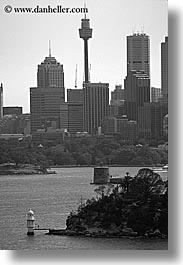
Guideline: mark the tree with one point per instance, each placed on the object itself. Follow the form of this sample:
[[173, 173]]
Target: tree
[[63, 158], [146, 184], [18, 157]]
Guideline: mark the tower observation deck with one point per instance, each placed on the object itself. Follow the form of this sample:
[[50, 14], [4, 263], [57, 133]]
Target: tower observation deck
[[85, 33]]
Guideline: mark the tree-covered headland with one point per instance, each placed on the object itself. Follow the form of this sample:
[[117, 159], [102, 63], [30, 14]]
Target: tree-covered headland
[[136, 207]]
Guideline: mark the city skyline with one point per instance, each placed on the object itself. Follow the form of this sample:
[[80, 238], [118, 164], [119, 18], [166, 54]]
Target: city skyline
[[107, 48]]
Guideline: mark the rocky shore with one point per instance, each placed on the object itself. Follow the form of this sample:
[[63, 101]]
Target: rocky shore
[[23, 169], [126, 232]]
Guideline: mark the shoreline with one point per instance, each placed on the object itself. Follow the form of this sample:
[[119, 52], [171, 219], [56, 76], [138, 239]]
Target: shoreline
[[106, 234], [83, 166], [29, 169], [23, 169]]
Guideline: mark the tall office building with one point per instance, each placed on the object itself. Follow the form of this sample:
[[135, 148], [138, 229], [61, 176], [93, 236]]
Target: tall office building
[[46, 98], [164, 68], [64, 116], [51, 74], [85, 33], [75, 110], [117, 101], [117, 95], [150, 120], [96, 105], [138, 53], [137, 92], [155, 94], [1, 101], [75, 117]]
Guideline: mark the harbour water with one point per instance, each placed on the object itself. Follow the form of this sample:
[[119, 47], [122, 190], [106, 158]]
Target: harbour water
[[52, 197]]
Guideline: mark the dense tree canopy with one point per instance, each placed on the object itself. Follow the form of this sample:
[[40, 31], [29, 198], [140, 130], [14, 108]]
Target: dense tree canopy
[[82, 151], [139, 204]]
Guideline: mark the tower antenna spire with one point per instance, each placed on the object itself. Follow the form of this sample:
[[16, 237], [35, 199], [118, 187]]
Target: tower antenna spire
[[49, 48], [76, 77], [85, 10]]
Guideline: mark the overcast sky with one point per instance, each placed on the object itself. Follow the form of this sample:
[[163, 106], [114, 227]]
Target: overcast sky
[[25, 37]]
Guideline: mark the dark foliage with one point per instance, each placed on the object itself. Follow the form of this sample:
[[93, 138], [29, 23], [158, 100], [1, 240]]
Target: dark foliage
[[139, 203], [89, 151]]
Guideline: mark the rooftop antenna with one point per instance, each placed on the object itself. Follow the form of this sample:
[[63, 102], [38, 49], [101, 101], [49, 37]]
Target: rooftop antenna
[[49, 48], [76, 77]]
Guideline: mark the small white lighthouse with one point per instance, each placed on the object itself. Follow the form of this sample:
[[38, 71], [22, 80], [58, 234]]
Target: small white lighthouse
[[30, 223]]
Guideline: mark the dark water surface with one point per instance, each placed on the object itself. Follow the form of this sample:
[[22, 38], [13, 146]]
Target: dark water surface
[[52, 197]]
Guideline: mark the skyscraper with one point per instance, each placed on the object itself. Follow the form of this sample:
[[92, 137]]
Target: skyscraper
[[75, 117], [46, 98], [117, 101], [85, 33], [117, 95], [51, 74], [96, 105], [155, 94], [137, 92], [75, 110], [1, 101], [164, 68], [138, 53]]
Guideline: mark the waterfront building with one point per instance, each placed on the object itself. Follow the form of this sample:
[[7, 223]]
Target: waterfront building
[[138, 53], [96, 105], [164, 68], [46, 98]]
